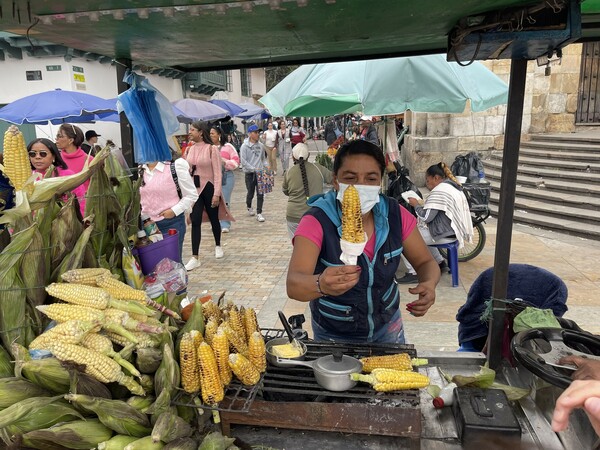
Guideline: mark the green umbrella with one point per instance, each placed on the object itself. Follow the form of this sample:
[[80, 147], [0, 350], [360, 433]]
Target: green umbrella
[[386, 86]]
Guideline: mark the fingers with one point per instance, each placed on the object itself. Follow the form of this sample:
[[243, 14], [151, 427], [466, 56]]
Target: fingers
[[337, 280], [574, 397]]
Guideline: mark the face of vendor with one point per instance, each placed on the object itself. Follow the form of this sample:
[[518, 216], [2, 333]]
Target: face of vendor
[[195, 134], [432, 182], [40, 156], [358, 169]]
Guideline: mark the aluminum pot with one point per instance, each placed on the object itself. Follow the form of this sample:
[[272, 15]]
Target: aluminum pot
[[272, 359], [332, 372]]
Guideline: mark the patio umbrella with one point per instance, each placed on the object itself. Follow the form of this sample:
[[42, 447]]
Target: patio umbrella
[[200, 110], [253, 112], [57, 107], [233, 108], [114, 117], [386, 86]]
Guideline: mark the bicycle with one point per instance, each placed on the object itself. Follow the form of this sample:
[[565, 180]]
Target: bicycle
[[474, 248]]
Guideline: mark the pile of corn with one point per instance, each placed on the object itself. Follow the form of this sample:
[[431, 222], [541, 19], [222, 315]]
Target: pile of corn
[[392, 372]]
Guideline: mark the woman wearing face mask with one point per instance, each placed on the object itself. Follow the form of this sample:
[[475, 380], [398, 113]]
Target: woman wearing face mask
[[359, 303]]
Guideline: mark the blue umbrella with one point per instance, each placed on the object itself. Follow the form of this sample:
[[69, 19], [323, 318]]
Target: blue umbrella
[[200, 110], [254, 112], [114, 117], [57, 107], [233, 108]]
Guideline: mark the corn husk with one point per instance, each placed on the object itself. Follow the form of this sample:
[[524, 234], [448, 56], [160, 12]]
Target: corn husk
[[147, 382], [148, 359], [141, 403], [168, 374], [13, 390], [215, 441], [144, 443], [74, 258], [15, 321], [115, 414], [44, 417], [47, 373], [7, 368], [79, 434], [160, 405], [17, 411], [117, 442], [84, 384], [33, 270], [194, 322], [65, 230], [169, 427], [182, 444]]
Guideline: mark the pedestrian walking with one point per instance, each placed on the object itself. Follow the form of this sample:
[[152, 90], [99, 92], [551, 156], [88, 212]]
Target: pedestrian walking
[[270, 140], [297, 133], [231, 161], [284, 146], [253, 157]]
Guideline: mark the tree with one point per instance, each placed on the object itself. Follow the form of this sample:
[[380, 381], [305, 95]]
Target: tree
[[275, 74]]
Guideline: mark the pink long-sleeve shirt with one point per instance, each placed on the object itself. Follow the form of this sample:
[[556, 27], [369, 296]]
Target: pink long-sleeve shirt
[[207, 160]]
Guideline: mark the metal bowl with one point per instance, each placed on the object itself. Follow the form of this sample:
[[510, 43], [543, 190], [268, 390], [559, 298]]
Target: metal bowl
[[272, 359]]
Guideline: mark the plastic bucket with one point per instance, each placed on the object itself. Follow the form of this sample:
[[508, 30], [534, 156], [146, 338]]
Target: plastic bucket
[[150, 255]]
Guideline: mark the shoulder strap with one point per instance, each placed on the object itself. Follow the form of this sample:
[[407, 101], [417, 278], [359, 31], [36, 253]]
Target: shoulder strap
[[175, 179]]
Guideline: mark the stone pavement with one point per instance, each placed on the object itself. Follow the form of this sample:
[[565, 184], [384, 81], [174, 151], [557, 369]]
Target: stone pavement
[[253, 271]]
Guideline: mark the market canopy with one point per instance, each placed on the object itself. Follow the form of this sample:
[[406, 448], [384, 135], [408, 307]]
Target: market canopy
[[386, 86]]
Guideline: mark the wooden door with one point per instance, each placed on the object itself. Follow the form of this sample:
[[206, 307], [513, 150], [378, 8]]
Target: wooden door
[[588, 103]]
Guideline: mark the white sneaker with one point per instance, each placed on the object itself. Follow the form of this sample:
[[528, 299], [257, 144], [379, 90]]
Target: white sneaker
[[224, 230], [260, 218], [192, 264], [218, 252], [250, 212]]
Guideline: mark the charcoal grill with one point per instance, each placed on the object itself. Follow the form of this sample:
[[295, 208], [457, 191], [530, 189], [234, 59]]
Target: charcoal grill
[[291, 398]]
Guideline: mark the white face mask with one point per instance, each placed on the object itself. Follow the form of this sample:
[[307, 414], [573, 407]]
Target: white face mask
[[368, 195]]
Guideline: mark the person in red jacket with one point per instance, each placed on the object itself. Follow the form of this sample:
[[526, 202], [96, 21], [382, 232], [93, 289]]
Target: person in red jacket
[[297, 133]]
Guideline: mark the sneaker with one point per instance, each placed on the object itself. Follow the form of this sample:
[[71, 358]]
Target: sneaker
[[408, 278], [192, 264], [250, 212], [218, 252], [443, 267], [224, 230], [260, 218]]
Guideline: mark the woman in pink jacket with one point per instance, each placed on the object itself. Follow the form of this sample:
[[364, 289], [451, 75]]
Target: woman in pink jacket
[[231, 161], [205, 162]]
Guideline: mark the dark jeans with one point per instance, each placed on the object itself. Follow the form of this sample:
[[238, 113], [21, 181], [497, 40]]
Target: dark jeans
[[204, 202], [177, 222], [251, 186]]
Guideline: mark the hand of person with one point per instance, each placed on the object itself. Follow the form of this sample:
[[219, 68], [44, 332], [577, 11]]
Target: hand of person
[[413, 201], [188, 219], [580, 394], [426, 293], [335, 281], [587, 369], [215, 201], [167, 214]]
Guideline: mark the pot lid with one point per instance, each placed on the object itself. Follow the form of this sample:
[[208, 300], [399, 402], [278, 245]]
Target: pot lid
[[337, 364]]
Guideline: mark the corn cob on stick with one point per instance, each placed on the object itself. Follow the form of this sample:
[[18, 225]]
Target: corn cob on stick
[[352, 226], [16, 160], [243, 369], [257, 353], [80, 434], [92, 297], [97, 365], [212, 387], [235, 340], [400, 361], [210, 330], [103, 345], [250, 322], [70, 332], [220, 346], [385, 380], [234, 319], [84, 276], [188, 362]]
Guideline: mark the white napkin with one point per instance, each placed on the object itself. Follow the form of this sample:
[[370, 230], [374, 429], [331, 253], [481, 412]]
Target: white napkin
[[351, 251]]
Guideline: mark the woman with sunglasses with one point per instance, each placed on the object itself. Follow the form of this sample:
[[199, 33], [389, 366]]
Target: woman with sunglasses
[[69, 139], [42, 154]]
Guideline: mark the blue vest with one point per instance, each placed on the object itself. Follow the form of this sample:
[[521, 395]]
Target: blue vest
[[363, 310]]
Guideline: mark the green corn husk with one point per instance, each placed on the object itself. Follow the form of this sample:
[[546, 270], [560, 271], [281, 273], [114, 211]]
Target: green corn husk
[[141, 403], [148, 359], [79, 434], [65, 230], [160, 405], [168, 374], [182, 444], [187, 413], [7, 368], [215, 441], [89, 259], [33, 270], [45, 417], [13, 390], [74, 258], [147, 382], [144, 443], [84, 384], [169, 427], [47, 373], [115, 414], [117, 442], [13, 252], [21, 409], [194, 322]]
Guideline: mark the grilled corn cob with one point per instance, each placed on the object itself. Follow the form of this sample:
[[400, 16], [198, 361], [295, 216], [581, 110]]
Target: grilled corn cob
[[120, 290], [210, 330], [84, 276], [211, 310], [235, 340], [257, 353], [188, 361], [103, 345], [250, 322], [16, 160], [243, 369], [212, 387], [220, 346], [101, 367], [385, 380], [352, 226], [70, 332], [400, 361], [236, 323]]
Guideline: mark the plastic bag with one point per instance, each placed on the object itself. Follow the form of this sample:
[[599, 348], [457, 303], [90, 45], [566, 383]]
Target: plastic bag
[[469, 166], [172, 275], [399, 183]]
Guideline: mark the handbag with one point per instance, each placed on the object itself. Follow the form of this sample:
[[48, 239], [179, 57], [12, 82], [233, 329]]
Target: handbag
[[265, 179], [196, 178]]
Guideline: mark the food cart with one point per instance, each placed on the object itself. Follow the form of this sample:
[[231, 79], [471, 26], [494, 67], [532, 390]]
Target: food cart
[[297, 31]]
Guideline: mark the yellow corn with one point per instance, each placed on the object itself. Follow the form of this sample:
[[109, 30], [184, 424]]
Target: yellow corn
[[210, 330], [101, 344], [62, 312], [250, 322], [385, 380], [352, 226], [400, 361], [235, 340], [236, 322], [212, 387], [17, 166], [211, 310], [84, 276], [70, 332], [220, 346], [120, 290], [188, 360], [197, 338], [144, 340], [257, 353], [243, 369], [96, 365], [80, 294], [123, 318]]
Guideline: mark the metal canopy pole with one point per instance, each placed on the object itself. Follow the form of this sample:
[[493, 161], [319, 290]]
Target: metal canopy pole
[[508, 182], [126, 130]]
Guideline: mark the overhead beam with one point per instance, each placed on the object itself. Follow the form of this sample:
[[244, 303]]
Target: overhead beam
[[13, 52]]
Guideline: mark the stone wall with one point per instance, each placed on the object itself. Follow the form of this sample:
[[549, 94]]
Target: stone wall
[[549, 106]]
